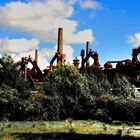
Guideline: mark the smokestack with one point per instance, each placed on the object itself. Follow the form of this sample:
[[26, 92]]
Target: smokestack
[[87, 52], [36, 56], [60, 41], [82, 58]]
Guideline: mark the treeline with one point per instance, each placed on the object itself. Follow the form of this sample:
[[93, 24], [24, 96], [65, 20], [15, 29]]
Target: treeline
[[67, 93]]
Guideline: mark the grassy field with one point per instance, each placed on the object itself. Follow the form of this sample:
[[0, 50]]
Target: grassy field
[[7, 129]]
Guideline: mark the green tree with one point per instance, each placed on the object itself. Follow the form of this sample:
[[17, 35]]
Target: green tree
[[9, 98], [11, 76], [13, 89], [73, 92], [122, 87], [97, 81]]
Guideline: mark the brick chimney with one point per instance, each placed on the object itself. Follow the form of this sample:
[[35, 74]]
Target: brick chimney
[[36, 56], [60, 41], [87, 52]]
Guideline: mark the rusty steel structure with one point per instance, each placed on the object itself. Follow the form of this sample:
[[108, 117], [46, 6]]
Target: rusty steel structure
[[59, 54], [89, 53], [135, 54], [128, 67], [76, 62], [34, 74], [126, 63], [123, 63]]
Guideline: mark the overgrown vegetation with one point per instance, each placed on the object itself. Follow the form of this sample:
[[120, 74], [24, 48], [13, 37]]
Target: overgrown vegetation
[[67, 93]]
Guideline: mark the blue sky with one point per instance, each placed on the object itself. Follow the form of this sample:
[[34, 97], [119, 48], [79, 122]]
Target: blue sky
[[112, 27]]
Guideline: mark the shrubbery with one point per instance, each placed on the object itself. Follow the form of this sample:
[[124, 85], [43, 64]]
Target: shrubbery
[[72, 91], [67, 93], [89, 95]]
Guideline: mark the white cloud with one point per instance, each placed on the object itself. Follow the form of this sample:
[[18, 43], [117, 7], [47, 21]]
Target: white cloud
[[68, 51], [134, 39], [18, 45], [81, 37], [43, 18], [90, 4], [19, 48], [47, 52], [42, 61], [45, 55]]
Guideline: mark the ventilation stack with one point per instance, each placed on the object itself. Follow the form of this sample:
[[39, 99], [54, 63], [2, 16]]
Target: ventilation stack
[[87, 52], [82, 58], [60, 44], [36, 56]]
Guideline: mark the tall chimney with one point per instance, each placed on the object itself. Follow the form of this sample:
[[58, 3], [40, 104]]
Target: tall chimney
[[82, 58], [60, 41], [87, 52], [36, 56]]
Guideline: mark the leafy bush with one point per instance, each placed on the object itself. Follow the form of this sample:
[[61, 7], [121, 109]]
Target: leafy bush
[[13, 89], [67, 93], [8, 102], [73, 92], [110, 107], [122, 87], [11, 76], [97, 81]]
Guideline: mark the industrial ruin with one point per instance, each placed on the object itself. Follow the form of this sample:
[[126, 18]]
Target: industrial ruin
[[130, 68]]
